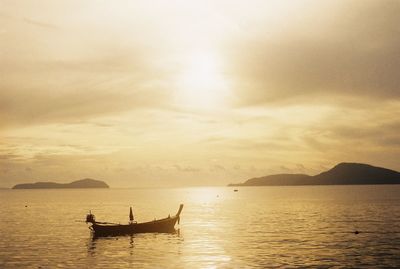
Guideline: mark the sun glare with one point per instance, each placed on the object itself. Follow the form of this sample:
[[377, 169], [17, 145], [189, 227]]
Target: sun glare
[[201, 84]]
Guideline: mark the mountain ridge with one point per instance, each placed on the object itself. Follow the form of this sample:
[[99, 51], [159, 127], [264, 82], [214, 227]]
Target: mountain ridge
[[344, 173], [85, 183]]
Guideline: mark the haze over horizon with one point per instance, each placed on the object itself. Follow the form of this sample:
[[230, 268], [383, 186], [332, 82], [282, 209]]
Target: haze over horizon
[[187, 93]]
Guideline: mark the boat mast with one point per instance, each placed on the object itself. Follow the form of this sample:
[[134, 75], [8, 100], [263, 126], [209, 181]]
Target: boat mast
[[130, 214]]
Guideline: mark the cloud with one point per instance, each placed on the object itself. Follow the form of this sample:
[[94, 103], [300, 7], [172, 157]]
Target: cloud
[[9, 156], [68, 91], [379, 134], [40, 24], [217, 168], [71, 73], [189, 169], [95, 94], [352, 51]]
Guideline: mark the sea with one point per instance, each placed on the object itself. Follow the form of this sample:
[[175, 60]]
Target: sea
[[253, 227]]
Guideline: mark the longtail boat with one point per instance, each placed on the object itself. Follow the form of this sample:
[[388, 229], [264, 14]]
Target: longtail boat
[[165, 225]]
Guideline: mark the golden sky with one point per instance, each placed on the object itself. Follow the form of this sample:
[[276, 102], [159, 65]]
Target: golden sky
[[182, 93]]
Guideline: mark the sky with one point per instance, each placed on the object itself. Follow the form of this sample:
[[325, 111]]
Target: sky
[[192, 93]]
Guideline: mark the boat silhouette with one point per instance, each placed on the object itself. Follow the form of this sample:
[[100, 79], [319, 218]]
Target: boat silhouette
[[165, 225]]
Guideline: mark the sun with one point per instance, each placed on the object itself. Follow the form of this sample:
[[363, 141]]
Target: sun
[[201, 83]]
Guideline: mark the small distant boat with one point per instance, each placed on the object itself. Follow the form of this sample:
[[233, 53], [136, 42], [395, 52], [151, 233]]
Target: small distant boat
[[165, 225]]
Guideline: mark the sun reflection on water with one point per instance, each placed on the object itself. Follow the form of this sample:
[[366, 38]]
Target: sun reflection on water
[[204, 246], [204, 195]]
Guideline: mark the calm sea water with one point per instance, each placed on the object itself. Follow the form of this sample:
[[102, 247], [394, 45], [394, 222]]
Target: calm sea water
[[256, 227]]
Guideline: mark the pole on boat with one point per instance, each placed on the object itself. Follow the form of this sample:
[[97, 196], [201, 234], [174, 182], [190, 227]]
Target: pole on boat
[[179, 212], [130, 214]]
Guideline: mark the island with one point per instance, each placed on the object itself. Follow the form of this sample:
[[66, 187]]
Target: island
[[341, 174], [79, 184]]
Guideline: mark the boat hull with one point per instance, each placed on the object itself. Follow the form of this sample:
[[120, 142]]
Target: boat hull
[[166, 225]]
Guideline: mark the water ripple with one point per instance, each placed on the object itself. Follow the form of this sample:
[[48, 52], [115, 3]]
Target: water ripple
[[254, 228]]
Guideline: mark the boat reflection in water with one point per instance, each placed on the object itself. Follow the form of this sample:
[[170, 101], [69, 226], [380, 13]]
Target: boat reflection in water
[[165, 225]]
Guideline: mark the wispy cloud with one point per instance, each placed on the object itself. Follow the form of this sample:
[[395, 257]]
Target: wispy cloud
[[351, 51], [41, 24]]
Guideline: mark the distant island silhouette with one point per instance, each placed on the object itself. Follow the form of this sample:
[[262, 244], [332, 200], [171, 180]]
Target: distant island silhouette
[[341, 174], [79, 184]]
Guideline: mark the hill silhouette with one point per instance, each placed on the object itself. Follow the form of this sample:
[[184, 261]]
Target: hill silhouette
[[341, 174], [83, 183]]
